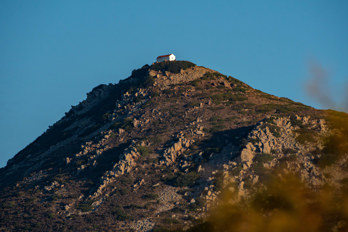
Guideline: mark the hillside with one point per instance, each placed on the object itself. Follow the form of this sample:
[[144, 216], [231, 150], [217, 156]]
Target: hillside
[[157, 151]]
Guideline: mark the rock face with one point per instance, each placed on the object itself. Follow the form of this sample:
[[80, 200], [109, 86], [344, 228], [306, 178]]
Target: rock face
[[166, 79], [172, 152], [274, 140], [125, 165], [157, 151]]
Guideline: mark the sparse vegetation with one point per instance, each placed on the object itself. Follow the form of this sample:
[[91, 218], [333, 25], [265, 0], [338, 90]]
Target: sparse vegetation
[[288, 151], [123, 191], [144, 151], [275, 130], [170, 221], [227, 97], [126, 124], [150, 196], [199, 203], [305, 135], [259, 161], [85, 206], [263, 158], [212, 76], [119, 213], [9, 204], [182, 179], [236, 170], [295, 122]]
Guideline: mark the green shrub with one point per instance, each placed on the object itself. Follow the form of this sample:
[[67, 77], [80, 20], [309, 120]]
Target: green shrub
[[123, 191], [144, 151], [305, 136], [196, 82], [258, 165], [126, 180], [139, 78], [126, 124], [170, 221], [182, 179], [288, 158], [193, 104], [236, 170], [287, 151], [120, 214], [106, 116], [263, 158], [134, 206], [139, 99], [202, 227], [9, 204], [177, 210], [140, 73], [165, 228], [239, 88], [230, 97], [264, 108], [216, 108], [150, 196], [156, 139], [217, 98], [148, 103], [295, 122], [186, 179], [334, 148], [235, 81], [199, 203], [59, 178], [219, 180], [215, 128], [172, 66], [254, 140], [212, 76], [85, 206], [275, 130], [80, 162], [211, 149], [149, 81]]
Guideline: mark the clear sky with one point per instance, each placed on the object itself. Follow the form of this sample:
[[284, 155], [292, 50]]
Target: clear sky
[[53, 52]]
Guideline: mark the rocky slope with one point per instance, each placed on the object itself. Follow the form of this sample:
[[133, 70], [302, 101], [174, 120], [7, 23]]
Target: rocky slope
[[155, 152]]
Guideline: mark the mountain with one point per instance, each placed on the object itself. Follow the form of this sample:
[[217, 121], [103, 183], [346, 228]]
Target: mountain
[[163, 149]]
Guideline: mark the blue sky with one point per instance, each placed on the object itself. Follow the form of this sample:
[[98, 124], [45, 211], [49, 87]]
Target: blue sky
[[53, 52]]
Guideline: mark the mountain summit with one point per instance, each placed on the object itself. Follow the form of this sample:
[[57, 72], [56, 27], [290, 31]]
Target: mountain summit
[[158, 150]]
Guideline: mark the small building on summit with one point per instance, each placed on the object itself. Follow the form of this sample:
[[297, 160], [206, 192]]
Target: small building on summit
[[169, 57]]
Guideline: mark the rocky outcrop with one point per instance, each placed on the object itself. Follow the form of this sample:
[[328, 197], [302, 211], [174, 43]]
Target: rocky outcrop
[[272, 135], [176, 149], [274, 142], [181, 143], [126, 163], [166, 79]]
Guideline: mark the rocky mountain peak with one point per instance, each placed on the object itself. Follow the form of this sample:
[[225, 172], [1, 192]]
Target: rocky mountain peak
[[160, 148]]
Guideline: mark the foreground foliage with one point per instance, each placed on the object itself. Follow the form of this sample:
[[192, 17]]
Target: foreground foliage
[[284, 204]]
